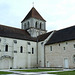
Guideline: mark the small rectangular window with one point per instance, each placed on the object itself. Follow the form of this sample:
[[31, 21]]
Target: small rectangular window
[[50, 48], [59, 44], [66, 43], [74, 45], [0, 39], [41, 43], [28, 43], [0, 50], [15, 51], [15, 41], [64, 48], [29, 52]]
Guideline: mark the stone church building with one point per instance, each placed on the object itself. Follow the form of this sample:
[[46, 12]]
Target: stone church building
[[32, 46]]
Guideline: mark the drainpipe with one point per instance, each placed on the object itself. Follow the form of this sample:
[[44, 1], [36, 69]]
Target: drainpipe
[[44, 56], [37, 51], [45, 43]]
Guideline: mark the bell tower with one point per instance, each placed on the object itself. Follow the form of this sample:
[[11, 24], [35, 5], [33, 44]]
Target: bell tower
[[34, 23]]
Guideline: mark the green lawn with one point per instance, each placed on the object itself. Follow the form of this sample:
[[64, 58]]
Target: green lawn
[[36, 70], [64, 73], [2, 72]]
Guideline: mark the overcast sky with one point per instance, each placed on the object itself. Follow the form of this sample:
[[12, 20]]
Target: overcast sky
[[57, 13]]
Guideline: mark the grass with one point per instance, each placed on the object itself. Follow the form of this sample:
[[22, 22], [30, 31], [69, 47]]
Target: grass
[[2, 72], [36, 70], [64, 73]]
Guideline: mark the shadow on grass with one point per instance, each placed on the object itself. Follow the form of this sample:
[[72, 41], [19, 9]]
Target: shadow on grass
[[36, 70], [64, 73], [2, 72]]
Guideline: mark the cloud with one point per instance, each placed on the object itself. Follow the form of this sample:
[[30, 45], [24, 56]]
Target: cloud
[[57, 13]]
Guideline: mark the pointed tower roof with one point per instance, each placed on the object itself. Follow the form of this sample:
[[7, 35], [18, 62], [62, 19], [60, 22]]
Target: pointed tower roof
[[33, 13]]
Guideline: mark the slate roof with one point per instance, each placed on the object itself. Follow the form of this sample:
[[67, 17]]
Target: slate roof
[[33, 13], [62, 35], [43, 36], [59, 36], [15, 33]]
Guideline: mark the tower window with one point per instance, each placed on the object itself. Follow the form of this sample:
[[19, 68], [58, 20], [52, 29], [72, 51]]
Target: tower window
[[44, 26], [36, 25], [21, 49], [32, 50], [25, 26], [28, 24], [6, 48], [40, 25]]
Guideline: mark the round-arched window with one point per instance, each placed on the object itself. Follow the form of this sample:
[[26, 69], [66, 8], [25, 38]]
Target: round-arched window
[[74, 58], [25, 26], [6, 48], [21, 49], [28, 24], [40, 25], [36, 24]]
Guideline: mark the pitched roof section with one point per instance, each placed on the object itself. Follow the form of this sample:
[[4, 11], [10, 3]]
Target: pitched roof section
[[15, 33], [33, 13], [62, 35], [43, 36]]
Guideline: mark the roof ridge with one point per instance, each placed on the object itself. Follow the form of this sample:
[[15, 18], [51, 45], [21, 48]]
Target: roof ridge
[[11, 27], [63, 35], [33, 13], [66, 28], [16, 33]]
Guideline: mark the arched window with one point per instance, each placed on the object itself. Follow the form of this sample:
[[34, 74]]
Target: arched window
[[40, 25], [32, 50], [36, 25], [6, 48], [25, 26], [21, 49], [28, 24], [74, 58]]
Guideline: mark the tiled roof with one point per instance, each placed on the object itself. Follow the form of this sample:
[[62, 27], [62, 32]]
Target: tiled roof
[[43, 36], [62, 35], [33, 13], [15, 33]]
